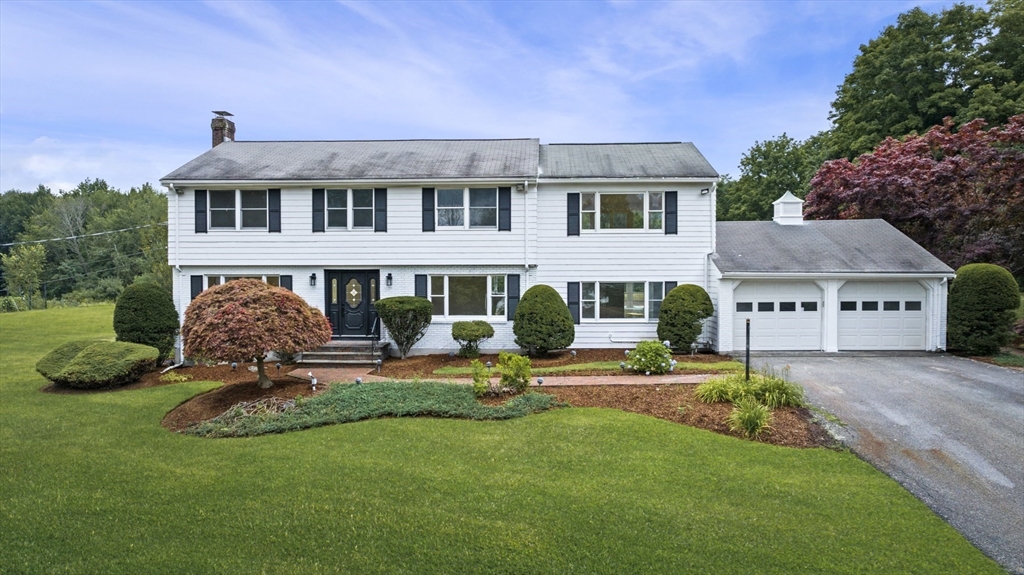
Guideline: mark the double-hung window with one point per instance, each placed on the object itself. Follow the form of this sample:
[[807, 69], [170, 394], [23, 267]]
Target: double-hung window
[[622, 211], [467, 208], [350, 208], [228, 208], [476, 296], [614, 300]]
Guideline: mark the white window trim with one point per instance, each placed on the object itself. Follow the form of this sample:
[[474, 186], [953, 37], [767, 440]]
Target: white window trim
[[222, 281], [465, 209], [646, 217], [350, 211], [597, 304], [238, 212], [487, 302]]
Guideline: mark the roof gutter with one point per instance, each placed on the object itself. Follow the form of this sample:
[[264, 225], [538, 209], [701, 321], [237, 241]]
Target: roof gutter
[[834, 275], [512, 180], [627, 179]]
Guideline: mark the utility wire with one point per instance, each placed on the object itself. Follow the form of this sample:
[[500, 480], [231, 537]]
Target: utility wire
[[82, 236]]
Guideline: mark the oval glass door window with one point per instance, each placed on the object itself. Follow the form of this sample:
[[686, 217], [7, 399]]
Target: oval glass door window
[[353, 293]]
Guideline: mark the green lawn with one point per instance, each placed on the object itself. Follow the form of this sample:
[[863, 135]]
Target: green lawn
[[93, 484]]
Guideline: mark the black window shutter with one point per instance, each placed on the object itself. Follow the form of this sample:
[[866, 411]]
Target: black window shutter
[[512, 291], [380, 209], [286, 282], [428, 210], [668, 287], [197, 286], [573, 294], [573, 200], [200, 211], [671, 213], [421, 285], [274, 215], [318, 209], [505, 210]]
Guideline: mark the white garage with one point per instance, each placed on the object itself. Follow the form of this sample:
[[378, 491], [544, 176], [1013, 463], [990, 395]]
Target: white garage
[[783, 315], [881, 315]]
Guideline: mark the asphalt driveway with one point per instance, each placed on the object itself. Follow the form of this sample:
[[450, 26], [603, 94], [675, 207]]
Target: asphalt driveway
[[949, 429]]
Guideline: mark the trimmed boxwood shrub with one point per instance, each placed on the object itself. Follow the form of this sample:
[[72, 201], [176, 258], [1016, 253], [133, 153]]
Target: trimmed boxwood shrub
[[982, 301], [542, 321], [145, 314], [407, 319], [682, 316], [98, 364], [469, 334]]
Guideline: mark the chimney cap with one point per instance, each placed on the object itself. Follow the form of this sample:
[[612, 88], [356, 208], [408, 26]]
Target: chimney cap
[[222, 113]]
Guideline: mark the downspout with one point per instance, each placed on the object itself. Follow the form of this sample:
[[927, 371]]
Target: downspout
[[180, 353], [526, 235]]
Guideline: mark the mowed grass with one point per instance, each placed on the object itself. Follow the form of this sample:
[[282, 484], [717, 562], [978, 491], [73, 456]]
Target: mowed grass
[[93, 484], [612, 367]]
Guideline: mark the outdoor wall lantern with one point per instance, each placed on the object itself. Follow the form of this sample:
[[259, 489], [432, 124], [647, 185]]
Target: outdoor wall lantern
[[388, 279], [312, 280], [705, 191]]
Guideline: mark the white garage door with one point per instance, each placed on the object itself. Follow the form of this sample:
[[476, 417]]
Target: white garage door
[[881, 315], [783, 315]]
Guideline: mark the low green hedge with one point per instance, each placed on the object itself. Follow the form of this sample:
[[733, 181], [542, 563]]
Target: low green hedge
[[86, 364]]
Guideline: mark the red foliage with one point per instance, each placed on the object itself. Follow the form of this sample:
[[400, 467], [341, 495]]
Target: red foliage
[[960, 195], [245, 318]]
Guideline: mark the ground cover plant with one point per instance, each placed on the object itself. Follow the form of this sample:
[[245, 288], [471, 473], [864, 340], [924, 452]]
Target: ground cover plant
[[345, 403], [93, 484]]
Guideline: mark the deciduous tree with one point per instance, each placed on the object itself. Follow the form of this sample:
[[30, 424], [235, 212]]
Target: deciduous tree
[[246, 318], [23, 268]]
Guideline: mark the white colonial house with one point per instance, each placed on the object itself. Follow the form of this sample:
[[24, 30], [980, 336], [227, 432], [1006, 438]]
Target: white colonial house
[[471, 224]]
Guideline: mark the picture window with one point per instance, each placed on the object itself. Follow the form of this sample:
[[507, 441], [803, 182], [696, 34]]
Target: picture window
[[474, 296]]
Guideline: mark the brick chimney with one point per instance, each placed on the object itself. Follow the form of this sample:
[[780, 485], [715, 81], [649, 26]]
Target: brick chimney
[[223, 128]]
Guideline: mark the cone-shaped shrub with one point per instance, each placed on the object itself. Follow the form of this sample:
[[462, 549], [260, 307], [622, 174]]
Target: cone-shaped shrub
[[982, 301], [542, 321], [406, 318], [682, 315], [145, 314]]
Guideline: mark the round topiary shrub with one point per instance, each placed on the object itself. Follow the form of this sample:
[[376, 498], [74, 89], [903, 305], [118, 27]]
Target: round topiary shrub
[[407, 319], [982, 300], [145, 314], [542, 321], [682, 316], [469, 334], [97, 364]]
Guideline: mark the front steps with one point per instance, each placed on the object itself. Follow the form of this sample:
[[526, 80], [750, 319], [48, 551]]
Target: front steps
[[348, 353]]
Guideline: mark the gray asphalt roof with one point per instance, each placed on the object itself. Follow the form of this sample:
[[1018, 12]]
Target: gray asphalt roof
[[363, 160], [831, 246], [657, 160]]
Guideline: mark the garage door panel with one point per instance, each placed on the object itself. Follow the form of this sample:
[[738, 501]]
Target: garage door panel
[[888, 322], [794, 329]]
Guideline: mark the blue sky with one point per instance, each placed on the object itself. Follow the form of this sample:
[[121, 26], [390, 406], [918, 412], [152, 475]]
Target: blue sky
[[123, 91]]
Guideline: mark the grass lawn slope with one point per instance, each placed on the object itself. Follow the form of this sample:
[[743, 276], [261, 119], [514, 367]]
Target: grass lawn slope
[[91, 483]]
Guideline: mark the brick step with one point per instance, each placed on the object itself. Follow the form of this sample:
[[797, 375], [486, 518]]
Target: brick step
[[346, 353]]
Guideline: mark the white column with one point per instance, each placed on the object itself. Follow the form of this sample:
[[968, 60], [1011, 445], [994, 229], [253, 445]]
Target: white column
[[725, 314], [830, 313]]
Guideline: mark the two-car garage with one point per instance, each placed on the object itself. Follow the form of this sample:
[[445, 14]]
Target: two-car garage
[[789, 315]]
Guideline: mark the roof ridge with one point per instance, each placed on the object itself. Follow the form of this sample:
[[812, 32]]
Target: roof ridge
[[609, 143], [398, 140]]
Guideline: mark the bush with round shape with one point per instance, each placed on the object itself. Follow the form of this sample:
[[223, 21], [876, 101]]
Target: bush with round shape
[[982, 300], [542, 321], [244, 319], [649, 357], [682, 315], [145, 314], [407, 319], [97, 364], [469, 334]]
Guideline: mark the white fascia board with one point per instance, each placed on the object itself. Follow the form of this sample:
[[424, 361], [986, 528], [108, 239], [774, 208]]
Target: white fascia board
[[842, 276], [512, 181], [543, 180]]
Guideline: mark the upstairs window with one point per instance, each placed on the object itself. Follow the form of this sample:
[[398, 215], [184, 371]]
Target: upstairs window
[[350, 209], [222, 209], [228, 208], [477, 206], [254, 209], [450, 208], [622, 211]]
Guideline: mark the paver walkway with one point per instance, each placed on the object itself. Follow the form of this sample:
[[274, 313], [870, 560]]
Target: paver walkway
[[349, 375]]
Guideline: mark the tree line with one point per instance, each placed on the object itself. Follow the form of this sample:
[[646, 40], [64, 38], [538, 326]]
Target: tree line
[[84, 244], [926, 78]]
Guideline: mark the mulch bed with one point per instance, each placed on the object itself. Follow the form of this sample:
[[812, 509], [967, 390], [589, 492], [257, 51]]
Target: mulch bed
[[791, 427], [423, 366]]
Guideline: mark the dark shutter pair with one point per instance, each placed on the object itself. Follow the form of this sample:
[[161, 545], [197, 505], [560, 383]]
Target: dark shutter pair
[[273, 211], [380, 209], [504, 209], [572, 200], [511, 292], [197, 284]]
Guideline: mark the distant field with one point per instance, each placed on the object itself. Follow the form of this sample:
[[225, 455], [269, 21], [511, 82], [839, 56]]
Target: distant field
[[92, 484]]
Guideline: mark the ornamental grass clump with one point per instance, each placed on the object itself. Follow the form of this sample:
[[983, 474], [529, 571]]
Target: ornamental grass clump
[[750, 418], [649, 357]]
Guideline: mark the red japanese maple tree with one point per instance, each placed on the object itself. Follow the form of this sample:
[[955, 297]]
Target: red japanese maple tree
[[959, 194], [246, 318]]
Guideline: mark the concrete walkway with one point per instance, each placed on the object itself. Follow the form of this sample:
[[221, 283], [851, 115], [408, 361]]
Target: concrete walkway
[[349, 375]]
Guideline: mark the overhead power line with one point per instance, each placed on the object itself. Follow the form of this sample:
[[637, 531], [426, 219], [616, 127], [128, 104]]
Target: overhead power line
[[82, 236]]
